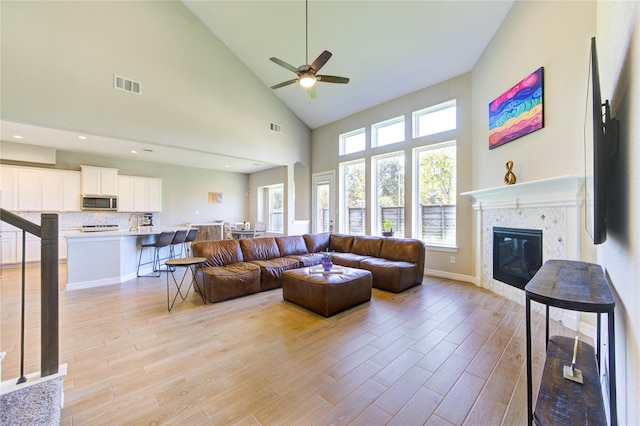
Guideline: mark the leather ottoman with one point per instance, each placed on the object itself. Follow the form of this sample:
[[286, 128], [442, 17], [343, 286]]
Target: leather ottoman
[[327, 293]]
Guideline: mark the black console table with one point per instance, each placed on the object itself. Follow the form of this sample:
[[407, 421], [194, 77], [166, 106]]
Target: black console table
[[576, 286]]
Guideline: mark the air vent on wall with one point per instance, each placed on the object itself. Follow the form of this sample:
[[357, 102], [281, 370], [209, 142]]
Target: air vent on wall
[[126, 84], [275, 127]]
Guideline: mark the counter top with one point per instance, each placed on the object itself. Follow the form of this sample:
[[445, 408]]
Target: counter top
[[144, 230]]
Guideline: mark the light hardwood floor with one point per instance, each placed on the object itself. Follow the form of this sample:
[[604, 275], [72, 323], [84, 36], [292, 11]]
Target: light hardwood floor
[[445, 352]]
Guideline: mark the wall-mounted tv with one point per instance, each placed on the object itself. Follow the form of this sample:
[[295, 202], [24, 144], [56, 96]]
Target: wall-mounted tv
[[601, 140]]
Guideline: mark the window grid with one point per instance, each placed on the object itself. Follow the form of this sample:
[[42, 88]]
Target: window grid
[[435, 119], [388, 132]]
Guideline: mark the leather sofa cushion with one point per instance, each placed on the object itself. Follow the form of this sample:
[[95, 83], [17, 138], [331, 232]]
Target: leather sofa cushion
[[271, 271], [340, 242], [394, 276], [218, 253], [401, 249], [227, 282], [350, 260], [366, 245], [307, 259], [293, 244], [317, 242], [259, 248]]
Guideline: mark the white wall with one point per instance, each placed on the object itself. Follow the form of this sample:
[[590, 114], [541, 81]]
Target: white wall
[[59, 58], [184, 189], [618, 41], [557, 35], [324, 152]]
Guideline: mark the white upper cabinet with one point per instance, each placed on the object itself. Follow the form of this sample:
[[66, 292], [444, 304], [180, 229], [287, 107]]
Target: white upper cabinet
[[29, 190], [139, 194], [99, 181], [71, 192], [50, 191], [9, 187]]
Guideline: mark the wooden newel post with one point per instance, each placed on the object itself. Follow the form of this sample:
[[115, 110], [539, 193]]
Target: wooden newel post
[[49, 294]]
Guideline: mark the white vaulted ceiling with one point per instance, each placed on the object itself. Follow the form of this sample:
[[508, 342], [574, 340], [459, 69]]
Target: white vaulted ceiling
[[387, 48]]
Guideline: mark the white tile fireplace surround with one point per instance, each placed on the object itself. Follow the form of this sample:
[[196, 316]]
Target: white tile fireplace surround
[[551, 205]]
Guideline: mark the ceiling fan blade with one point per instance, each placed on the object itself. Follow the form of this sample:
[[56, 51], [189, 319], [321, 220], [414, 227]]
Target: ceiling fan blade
[[321, 60], [284, 64], [284, 83], [312, 92], [332, 79]]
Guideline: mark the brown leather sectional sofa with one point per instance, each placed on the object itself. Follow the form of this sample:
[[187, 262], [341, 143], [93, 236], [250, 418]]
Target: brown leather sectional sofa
[[239, 267]]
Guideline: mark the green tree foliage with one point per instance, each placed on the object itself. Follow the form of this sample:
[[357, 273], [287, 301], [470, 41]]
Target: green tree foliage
[[355, 184], [391, 181], [438, 176]]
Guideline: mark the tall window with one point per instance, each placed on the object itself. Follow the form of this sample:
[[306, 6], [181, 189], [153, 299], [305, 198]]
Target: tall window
[[352, 142], [389, 179], [353, 193], [388, 131], [436, 176], [435, 119], [276, 207]]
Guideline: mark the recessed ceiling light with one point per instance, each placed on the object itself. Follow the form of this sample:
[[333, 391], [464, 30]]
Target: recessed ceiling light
[[226, 165], [82, 137], [133, 151], [17, 136]]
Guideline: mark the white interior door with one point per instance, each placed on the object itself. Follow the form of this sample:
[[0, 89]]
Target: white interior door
[[323, 203]]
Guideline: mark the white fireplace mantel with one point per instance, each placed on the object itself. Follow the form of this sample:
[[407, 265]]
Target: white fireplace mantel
[[561, 191], [551, 205]]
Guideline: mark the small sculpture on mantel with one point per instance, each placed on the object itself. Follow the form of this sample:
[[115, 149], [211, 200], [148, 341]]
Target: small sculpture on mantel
[[510, 177]]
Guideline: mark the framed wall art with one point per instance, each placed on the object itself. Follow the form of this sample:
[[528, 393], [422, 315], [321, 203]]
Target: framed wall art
[[518, 111], [215, 197]]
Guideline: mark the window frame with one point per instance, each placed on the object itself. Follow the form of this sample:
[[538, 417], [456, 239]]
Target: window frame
[[342, 203], [344, 137], [417, 231], [375, 143], [416, 115], [376, 225]]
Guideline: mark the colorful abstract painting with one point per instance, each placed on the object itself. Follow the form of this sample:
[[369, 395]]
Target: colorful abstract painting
[[517, 112], [215, 197]]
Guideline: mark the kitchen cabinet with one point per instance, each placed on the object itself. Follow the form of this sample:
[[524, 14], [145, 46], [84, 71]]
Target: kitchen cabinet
[[50, 191], [31, 189], [29, 195], [139, 194], [9, 187], [71, 192], [99, 181]]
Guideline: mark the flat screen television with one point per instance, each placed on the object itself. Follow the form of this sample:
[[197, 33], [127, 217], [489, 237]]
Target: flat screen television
[[601, 140]]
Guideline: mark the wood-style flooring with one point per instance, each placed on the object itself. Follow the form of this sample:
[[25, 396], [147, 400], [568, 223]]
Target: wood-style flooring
[[442, 353]]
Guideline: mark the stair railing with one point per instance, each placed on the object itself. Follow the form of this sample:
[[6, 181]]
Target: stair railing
[[47, 231]]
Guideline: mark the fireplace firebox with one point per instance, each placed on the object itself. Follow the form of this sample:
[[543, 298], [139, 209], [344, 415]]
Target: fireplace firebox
[[517, 255]]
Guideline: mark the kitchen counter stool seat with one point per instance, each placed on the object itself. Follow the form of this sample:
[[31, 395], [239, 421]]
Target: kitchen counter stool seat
[[177, 241], [191, 236], [163, 240]]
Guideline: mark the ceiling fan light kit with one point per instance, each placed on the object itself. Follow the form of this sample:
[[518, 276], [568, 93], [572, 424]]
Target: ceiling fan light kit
[[307, 77], [307, 81]]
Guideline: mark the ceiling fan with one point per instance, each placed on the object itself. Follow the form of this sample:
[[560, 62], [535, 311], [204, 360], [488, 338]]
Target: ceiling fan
[[307, 74]]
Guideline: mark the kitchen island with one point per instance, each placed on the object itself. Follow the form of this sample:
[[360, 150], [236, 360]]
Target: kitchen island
[[109, 257]]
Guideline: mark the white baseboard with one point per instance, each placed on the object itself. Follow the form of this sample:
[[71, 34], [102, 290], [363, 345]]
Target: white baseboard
[[452, 276]]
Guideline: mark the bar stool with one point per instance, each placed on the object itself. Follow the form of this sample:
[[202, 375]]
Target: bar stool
[[163, 240], [178, 240], [191, 236]]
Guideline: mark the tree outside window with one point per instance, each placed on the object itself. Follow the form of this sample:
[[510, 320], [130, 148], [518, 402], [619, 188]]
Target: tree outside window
[[354, 196], [437, 193]]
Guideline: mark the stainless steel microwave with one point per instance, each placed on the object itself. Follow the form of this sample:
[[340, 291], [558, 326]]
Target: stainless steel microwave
[[99, 203]]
